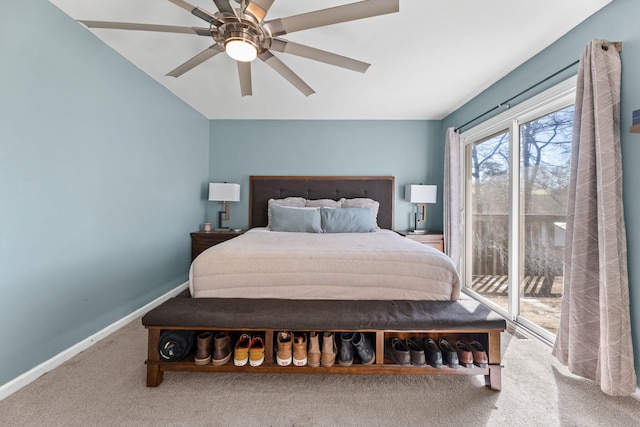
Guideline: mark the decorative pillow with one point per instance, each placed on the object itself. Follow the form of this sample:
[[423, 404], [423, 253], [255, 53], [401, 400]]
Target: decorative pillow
[[295, 202], [363, 203], [347, 220], [301, 220], [324, 203]]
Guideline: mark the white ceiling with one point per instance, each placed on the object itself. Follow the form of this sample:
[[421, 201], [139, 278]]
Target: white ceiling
[[427, 60]]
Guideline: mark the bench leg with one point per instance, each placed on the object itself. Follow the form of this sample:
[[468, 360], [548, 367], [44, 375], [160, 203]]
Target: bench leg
[[494, 379], [154, 374]]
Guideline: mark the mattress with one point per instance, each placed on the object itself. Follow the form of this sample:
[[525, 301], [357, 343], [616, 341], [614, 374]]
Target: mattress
[[381, 265]]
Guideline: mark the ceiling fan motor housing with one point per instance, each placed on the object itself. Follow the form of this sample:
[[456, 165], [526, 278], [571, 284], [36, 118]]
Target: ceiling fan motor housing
[[241, 31]]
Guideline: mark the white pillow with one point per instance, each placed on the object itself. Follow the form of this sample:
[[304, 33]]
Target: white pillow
[[363, 203], [292, 202], [324, 203]]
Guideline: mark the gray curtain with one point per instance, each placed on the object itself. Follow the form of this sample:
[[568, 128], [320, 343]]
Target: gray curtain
[[594, 338], [451, 199]]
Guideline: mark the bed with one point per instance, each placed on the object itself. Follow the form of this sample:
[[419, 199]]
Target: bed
[[265, 279], [329, 247]]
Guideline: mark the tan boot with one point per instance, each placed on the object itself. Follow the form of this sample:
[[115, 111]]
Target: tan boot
[[284, 348], [314, 350], [299, 349], [329, 350]]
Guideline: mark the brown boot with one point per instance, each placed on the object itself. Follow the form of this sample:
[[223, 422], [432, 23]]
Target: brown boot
[[203, 349], [222, 349], [329, 350], [314, 350]]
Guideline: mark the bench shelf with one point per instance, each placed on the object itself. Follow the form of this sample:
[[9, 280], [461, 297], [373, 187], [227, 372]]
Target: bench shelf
[[489, 338]]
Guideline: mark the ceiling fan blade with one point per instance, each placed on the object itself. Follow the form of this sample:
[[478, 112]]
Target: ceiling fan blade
[[208, 53], [332, 15], [286, 46], [225, 7], [244, 71], [280, 68], [146, 27], [200, 13], [258, 8]]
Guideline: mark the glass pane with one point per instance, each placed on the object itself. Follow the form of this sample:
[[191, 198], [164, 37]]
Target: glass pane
[[545, 148], [488, 162]]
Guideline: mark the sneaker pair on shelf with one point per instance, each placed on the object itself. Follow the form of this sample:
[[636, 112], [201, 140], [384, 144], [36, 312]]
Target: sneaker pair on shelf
[[291, 348], [248, 349]]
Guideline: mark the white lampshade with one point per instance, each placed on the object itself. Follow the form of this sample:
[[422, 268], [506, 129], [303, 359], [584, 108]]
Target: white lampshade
[[420, 193], [224, 192]]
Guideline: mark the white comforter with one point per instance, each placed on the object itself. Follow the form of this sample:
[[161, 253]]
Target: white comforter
[[379, 266]]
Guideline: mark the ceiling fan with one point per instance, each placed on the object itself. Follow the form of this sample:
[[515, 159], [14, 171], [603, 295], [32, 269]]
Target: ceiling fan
[[243, 33]]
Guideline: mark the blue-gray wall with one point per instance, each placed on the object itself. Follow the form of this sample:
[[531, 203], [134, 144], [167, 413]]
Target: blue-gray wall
[[101, 178], [411, 151], [616, 22]]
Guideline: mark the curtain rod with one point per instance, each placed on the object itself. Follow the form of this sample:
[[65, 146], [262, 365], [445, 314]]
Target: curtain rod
[[605, 46]]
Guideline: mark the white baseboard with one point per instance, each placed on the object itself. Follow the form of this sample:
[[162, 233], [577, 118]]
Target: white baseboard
[[57, 360]]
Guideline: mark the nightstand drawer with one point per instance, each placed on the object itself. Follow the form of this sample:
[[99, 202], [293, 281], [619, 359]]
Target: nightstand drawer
[[203, 240], [435, 240]]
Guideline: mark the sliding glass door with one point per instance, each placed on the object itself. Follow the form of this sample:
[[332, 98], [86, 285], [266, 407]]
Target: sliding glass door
[[516, 177], [545, 147]]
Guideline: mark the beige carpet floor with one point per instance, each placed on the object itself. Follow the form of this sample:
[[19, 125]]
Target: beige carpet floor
[[105, 386]]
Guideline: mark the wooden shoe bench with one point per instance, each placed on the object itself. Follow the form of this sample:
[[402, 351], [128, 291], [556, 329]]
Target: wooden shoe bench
[[379, 320]]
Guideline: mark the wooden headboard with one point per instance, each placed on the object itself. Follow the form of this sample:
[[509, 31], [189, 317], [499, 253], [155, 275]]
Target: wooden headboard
[[263, 188]]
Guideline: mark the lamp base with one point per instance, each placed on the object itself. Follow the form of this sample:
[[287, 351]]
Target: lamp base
[[418, 231]]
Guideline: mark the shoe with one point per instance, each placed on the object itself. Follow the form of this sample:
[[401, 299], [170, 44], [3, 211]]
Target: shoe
[[203, 349], [449, 354], [256, 351], [465, 356], [416, 352], [284, 344], [364, 348], [314, 353], [434, 355], [398, 351], [299, 349], [221, 349], [241, 350], [329, 350], [345, 357], [480, 358]]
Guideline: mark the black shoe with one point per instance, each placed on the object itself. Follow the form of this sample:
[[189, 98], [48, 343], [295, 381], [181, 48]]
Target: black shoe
[[434, 355], [364, 348], [398, 351], [416, 352], [449, 354], [345, 355]]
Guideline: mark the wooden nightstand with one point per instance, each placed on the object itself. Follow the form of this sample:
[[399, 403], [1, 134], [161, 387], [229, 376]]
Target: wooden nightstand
[[201, 240], [431, 238]]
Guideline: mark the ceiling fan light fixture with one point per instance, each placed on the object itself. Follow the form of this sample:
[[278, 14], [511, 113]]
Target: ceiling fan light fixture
[[241, 50]]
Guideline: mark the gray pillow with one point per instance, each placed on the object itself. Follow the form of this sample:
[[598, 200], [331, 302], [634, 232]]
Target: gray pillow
[[302, 220], [347, 220]]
